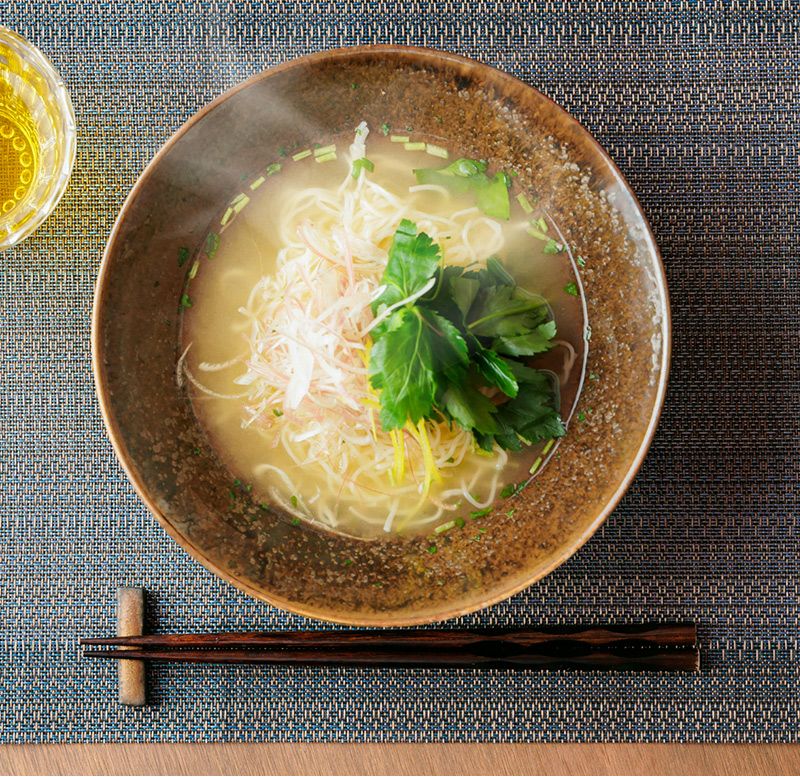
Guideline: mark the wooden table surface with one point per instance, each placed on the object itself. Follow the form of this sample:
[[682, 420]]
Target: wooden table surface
[[399, 759]]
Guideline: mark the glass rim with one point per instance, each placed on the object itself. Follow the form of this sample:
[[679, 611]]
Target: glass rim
[[42, 209]]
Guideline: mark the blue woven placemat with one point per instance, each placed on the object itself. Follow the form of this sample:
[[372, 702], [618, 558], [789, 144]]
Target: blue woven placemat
[[699, 103]]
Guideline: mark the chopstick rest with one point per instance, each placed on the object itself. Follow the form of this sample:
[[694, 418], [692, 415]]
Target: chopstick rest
[[130, 623]]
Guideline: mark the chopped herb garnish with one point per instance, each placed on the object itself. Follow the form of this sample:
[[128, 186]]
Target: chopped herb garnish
[[541, 224], [510, 513], [282, 151], [432, 549], [295, 522], [547, 447], [362, 164], [377, 585], [581, 416], [460, 523], [293, 499], [322, 150], [524, 203], [275, 167], [469, 176], [442, 528], [193, 269], [594, 376], [399, 138], [329, 157], [581, 261], [508, 491], [196, 451], [434, 150], [347, 562], [183, 256], [185, 301], [260, 180], [354, 85], [212, 244], [571, 288], [264, 506], [237, 482], [301, 155], [535, 466], [414, 146], [480, 513], [551, 247], [385, 128], [531, 230], [277, 412]]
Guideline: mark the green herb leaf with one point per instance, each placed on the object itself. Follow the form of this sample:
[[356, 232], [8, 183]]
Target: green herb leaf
[[470, 409], [183, 256], [551, 247], [503, 311], [385, 128], [469, 175], [413, 260], [535, 341], [571, 288]]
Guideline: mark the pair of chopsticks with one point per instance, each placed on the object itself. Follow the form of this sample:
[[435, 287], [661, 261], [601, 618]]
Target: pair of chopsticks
[[656, 647]]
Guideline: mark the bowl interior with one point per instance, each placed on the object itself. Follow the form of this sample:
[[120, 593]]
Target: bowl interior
[[482, 113]]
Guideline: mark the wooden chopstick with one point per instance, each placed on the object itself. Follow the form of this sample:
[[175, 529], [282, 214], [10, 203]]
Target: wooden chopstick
[[668, 647]]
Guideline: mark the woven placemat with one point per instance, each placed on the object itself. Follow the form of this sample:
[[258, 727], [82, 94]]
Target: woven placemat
[[699, 103]]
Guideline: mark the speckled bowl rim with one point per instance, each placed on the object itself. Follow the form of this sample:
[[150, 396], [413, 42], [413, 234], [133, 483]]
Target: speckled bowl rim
[[500, 79]]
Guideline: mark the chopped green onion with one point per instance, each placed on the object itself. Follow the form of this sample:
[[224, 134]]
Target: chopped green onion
[[536, 233], [399, 138], [551, 247], [330, 157], [194, 269], [433, 150], [571, 288], [293, 499], [257, 183], [385, 128], [432, 549], [581, 261], [226, 217], [442, 528], [239, 203], [185, 301], [524, 203], [541, 224], [508, 491], [324, 150], [414, 146], [547, 447], [480, 513], [183, 256], [277, 412], [510, 513], [535, 466], [295, 521], [301, 155], [212, 244], [362, 164], [275, 167]]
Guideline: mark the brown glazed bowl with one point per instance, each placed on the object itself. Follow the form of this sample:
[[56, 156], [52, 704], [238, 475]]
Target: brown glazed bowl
[[485, 114]]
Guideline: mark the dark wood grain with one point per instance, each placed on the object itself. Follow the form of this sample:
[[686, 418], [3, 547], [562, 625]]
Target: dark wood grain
[[633, 636], [671, 646]]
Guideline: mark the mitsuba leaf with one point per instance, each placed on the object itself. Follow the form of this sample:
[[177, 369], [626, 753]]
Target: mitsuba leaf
[[469, 175], [401, 367], [470, 409], [502, 311], [413, 261], [495, 370], [535, 341]]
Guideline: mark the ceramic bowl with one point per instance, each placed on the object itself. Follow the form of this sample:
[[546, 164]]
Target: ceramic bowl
[[485, 114]]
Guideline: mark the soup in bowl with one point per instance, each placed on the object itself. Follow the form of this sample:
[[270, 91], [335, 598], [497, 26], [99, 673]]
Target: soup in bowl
[[381, 336]]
